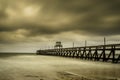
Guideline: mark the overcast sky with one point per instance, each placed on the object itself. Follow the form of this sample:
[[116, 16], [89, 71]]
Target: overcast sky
[[26, 25]]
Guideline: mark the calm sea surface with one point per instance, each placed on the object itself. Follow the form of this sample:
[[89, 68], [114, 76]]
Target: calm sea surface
[[31, 66]]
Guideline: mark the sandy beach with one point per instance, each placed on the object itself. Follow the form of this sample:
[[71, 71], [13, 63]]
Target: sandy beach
[[37, 67]]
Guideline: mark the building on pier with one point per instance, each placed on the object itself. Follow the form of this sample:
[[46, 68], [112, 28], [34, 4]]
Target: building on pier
[[58, 45]]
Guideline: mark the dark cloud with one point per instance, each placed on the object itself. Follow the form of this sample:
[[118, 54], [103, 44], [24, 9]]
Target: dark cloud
[[2, 14], [95, 17]]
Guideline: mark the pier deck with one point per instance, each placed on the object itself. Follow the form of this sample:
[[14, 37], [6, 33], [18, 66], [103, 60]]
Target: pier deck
[[103, 53]]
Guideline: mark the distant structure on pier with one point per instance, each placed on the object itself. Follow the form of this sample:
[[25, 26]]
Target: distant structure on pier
[[58, 45]]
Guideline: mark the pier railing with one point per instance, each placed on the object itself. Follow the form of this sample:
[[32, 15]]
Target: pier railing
[[103, 53]]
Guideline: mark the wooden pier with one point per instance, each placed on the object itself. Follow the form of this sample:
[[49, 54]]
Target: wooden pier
[[105, 53]]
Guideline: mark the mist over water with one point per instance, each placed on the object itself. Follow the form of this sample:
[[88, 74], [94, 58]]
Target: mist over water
[[37, 67]]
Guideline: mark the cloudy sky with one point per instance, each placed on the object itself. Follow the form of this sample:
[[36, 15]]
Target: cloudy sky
[[27, 25]]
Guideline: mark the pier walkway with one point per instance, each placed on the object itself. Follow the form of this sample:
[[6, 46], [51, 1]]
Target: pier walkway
[[103, 53]]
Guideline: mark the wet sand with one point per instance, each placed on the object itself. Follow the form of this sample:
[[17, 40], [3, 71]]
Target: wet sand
[[37, 67]]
